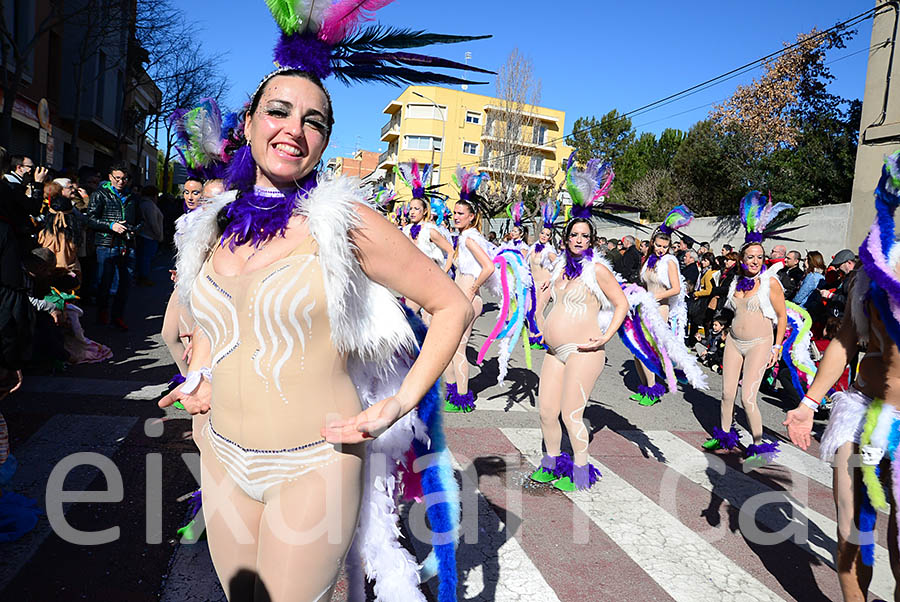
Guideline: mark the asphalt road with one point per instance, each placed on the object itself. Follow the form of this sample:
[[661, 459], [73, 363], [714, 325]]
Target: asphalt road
[[631, 537]]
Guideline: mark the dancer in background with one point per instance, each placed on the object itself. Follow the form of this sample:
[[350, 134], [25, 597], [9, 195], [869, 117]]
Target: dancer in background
[[205, 141], [662, 279], [518, 234], [421, 229], [474, 266], [754, 342], [541, 257]]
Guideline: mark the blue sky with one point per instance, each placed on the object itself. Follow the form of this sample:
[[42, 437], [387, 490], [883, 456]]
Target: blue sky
[[590, 56]]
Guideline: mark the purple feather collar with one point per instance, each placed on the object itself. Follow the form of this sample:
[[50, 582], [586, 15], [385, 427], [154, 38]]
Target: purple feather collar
[[575, 263], [745, 284], [539, 247], [261, 214], [414, 231], [652, 260]]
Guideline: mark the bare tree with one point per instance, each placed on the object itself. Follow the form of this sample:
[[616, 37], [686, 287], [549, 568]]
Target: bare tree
[[508, 128], [183, 73]]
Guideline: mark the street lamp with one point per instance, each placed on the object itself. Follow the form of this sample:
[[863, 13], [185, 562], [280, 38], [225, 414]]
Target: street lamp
[[443, 131]]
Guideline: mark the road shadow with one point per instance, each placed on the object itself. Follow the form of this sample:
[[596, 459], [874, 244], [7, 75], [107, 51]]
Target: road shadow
[[599, 416], [785, 560]]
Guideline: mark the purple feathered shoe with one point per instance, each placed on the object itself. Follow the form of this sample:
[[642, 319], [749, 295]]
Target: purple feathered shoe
[[545, 472], [651, 395], [451, 391], [722, 440], [574, 477], [757, 455], [460, 402]]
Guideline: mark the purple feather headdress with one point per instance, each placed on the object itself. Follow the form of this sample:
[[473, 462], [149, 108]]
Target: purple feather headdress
[[416, 179], [326, 38], [516, 212], [549, 213]]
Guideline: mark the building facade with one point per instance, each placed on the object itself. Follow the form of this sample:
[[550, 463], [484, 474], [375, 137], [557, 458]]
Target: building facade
[[446, 128], [83, 68]]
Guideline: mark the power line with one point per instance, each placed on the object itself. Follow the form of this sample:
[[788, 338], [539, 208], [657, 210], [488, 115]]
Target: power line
[[841, 58], [731, 74]]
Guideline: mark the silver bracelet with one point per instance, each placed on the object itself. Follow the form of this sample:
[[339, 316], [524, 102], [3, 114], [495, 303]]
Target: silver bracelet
[[193, 379]]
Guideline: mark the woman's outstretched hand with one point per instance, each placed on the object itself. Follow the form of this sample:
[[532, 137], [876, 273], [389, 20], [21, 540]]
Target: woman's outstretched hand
[[799, 422], [197, 402], [368, 424]]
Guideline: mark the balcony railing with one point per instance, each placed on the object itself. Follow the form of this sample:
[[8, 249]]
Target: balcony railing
[[525, 173], [390, 130], [387, 159]]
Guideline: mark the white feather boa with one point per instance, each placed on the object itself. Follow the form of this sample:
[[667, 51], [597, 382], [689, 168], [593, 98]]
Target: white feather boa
[[424, 243], [368, 325], [641, 300], [678, 311], [848, 416], [764, 292], [467, 264]]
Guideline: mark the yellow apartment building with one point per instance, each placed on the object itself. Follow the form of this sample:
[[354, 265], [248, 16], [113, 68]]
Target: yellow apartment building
[[446, 128]]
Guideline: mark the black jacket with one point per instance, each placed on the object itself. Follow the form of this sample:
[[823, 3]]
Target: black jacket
[[691, 275], [631, 264], [105, 208], [790, 279]]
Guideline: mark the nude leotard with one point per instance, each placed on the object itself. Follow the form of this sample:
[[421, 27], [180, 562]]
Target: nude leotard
[[276, 374]]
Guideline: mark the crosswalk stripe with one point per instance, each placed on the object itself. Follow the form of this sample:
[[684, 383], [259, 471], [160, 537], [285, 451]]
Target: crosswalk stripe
[[61, 436], [690, 569], [736, 488], [518, 576]]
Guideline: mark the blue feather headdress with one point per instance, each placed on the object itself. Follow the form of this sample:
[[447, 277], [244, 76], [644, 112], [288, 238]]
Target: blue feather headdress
[[326, 38], [549, 213], [679, 217]]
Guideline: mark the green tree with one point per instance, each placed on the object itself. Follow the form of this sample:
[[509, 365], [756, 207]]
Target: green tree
[[607, 137]]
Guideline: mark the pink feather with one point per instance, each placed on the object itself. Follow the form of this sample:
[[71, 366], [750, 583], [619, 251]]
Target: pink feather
[[504, 310], [342, 18]]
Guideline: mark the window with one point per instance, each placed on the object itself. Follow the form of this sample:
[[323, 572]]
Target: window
[[470, 148], [539, 134], [421, 143], [426, 112], [473, 117], [537, 164]]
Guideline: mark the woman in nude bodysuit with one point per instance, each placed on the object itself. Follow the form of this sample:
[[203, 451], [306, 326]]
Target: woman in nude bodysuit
[[588, 308], [282, 456]]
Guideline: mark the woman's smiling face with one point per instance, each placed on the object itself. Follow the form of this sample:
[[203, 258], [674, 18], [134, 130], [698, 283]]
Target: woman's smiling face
[[289, 130]]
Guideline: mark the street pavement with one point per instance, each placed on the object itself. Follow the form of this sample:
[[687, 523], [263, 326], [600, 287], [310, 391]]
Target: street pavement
[[666, 522]]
